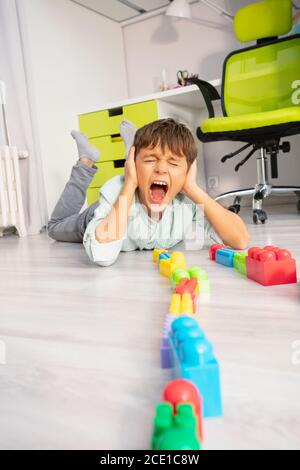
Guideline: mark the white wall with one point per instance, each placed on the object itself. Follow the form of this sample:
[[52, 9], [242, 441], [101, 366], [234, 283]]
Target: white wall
[[200, 47], [160, 42], [77, 62]]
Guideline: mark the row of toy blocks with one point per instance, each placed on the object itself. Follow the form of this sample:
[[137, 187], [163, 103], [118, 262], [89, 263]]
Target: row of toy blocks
[[173, 266], [178, 423], [193, 359], [227, 257], [268, 266], [180, 305], [183, 302]]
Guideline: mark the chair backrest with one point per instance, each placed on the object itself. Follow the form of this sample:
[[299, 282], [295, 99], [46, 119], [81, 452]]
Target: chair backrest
[[262, 78]]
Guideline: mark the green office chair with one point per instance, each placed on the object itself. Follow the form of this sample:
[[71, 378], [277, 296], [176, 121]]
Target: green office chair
[[260, 98]]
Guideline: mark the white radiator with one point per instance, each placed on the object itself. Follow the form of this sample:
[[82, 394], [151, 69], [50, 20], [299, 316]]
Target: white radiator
[[11, 201]]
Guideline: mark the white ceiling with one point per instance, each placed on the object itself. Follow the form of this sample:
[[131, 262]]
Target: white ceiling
[[121, 10]]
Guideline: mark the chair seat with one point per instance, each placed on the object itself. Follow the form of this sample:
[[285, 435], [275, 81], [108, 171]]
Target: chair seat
[[252, 121]]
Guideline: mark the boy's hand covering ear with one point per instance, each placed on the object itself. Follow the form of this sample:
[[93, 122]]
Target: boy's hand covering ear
[[130, 169], [191, 180]]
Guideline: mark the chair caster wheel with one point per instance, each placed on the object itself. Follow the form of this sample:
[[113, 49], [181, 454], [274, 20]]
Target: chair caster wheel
[[235, 208], [298, 206], [259, 217]]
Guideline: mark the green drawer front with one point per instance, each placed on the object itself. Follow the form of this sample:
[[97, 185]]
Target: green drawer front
[[141, 113], [101, 123], [92, 195], [107, 122], [107, 170], [111, 148]]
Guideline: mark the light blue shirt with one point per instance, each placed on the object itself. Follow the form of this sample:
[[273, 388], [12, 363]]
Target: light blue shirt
[[296, 29], [182, 220]]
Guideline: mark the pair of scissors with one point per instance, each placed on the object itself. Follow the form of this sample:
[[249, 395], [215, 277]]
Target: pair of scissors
[[182, 76]]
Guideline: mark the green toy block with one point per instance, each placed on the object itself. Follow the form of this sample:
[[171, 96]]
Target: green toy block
[[163, 421], [201, 275], [177, 432], [239, 262]]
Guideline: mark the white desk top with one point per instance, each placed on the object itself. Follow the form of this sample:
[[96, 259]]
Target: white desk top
[[186, 96]]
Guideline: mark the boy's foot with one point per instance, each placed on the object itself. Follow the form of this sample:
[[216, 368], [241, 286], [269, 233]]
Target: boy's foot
[[127, 131], [85, 149]]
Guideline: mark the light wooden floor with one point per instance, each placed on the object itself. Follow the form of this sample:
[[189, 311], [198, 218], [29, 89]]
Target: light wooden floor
[[82, 347]]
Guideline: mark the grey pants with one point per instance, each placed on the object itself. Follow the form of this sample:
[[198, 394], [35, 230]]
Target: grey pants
[[67, 224]]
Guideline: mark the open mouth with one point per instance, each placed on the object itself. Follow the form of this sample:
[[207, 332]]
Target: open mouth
[[158, 191]]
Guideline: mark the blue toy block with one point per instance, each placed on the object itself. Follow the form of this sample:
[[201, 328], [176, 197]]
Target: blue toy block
[[163, 256], [225, 257], [194, 360]]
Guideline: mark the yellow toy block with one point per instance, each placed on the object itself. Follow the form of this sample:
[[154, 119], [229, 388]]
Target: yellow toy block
[[187, 306], [178, 259], [175, 305], [165, 267], [156, 254]]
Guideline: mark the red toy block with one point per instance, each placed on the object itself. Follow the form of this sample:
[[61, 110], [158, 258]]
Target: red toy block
[[187, 286], [183, 391], [213, 250], [180, 288], [271, 266]]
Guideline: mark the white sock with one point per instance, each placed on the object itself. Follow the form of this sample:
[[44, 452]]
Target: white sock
[[128, 130], [85, 149]]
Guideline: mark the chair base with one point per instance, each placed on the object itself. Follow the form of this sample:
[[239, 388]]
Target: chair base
[[258, 194]]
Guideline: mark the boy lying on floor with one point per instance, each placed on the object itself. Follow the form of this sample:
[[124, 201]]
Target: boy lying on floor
[[152, 206]]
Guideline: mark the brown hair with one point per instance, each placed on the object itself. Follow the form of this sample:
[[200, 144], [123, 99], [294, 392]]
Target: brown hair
[[167, 133]]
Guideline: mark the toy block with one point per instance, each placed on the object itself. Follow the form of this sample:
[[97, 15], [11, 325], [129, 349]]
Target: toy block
[[162, 422], [177, 275], [194, 360], [187, 286], [213, 249], [182, 391], [166, 357], [201, 276], [178, 259], [271, 266], [239, 262], [188, 304], [175, 432], [156, 254], [186, 328], [165, 266], [225, 257], [165, 256], [175, 305]]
